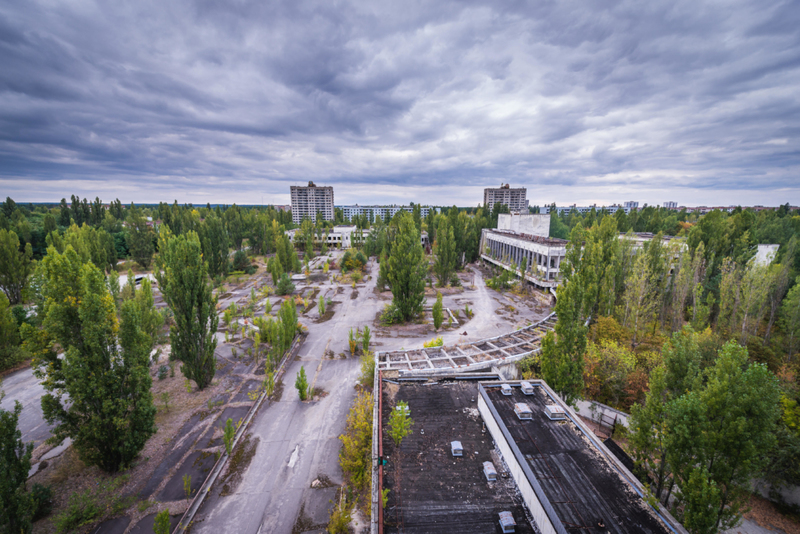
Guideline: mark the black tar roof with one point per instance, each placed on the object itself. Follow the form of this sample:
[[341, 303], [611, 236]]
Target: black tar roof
[[439, 493], [584, 488]]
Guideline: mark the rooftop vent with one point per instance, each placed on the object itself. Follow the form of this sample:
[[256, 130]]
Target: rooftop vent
[[555, 413], [507, 523], [505, 389], [523, 411], [457, 449], [527, 388], [489, 471]]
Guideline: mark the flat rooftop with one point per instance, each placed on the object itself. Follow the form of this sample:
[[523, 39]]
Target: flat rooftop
[[436, 492], [552, 241], [586, 490]]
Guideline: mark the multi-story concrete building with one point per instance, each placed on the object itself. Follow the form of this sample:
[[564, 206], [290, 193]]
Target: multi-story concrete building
[[384, 211], [525, 237], [515, 199], [670, 205], [308, 201], [630, 204]]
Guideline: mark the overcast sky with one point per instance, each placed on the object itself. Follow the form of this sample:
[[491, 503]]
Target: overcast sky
[[234, 101]]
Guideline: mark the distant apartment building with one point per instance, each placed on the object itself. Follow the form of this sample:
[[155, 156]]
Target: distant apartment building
[[308, 201], [515, 199], [348, 212], [671, 205], [584, 209], [630, 204]]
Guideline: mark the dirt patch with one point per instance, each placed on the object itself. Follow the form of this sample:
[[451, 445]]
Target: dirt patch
[[768, 516], [354, 294], [238, 463]]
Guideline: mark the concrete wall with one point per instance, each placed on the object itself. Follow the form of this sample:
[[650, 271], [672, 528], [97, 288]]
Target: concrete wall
[[526, 490], [601, 413], [531, 224]]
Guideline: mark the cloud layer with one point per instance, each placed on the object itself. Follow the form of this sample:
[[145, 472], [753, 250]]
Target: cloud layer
[[579, 101]]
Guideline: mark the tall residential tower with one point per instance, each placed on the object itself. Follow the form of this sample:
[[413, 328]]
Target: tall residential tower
[[308, 201], [515, 199]]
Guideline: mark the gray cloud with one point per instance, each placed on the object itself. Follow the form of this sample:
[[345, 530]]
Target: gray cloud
[[427, 101]]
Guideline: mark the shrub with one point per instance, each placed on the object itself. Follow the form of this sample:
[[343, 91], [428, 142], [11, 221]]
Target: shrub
[[367, 376], [42, 501], [437, 312], [435, 342], [81, 510], [228, 433], [162, 372], [161, 525], [353, 342], [301, 383], [400, 423], [391, 315], [285, 285], [365, 338], [455, 281]]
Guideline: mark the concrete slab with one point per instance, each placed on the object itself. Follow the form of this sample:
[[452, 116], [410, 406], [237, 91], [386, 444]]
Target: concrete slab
[[146, 524], [233, 412], [197, 465], [248, 387], [113, 526], [190, 434]]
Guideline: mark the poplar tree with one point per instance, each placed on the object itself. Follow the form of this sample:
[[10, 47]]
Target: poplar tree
[[215, 244], [182, 277], [140, 238], [16, 504], [15, 266], [445, 250], [437, 312], [406, 269], [98, 393], [562, 353]]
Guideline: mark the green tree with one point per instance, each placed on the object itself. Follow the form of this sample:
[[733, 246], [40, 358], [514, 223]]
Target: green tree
[[140, 238], [400, 423], [152, 320], [161, 524], [445, 250], [790, 317], [562, 354], [406, 269], [301, 384], [723, 430], [16, 504], [9, 336], [182, 277], [437, 312], [355, 457], [15, 266], [98, 394], [215, 244]]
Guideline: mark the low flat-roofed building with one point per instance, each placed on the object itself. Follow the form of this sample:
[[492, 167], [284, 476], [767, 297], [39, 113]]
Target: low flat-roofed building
[[543, 255], [569, 480], [437, 492]]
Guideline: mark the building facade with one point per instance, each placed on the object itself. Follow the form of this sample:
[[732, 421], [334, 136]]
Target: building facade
[[515, 199], [384, 211], [671, 205], [310, 200]]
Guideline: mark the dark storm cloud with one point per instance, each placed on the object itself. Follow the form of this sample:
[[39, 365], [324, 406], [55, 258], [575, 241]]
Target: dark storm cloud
[[425, 101]]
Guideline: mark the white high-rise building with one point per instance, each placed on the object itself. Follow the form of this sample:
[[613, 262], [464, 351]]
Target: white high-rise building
[[630, 204], [308, 201], [670, 205], [515, 199]]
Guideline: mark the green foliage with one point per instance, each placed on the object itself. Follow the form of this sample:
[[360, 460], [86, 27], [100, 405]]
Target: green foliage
[[187, 484], [161, 524], [242, 263], [104, 371], [355, 458], [16, 504], [435, 342], [10, 353], [400, 423], [790, 318], [301, 384], [162, 372], [140, 238], [15, 265], [437, 312], [445, 250], [367, 375], [229, 432], [42, 501], [88, 506], [366, 336], [321, 306], [352, 341], [285, 285], [182, 277], [406, 269]]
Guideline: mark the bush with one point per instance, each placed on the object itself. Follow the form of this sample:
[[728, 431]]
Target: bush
[[82, 510], [242, 263], [435, 342], [42, 501], [391, 315], [285, 285], [437, 312], [21, 315], [367, 376], [162, 372], [455, 281], [301, 383], [161, 525]]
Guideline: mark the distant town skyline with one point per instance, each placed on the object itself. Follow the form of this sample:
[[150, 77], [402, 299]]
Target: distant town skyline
[[579, 102]]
